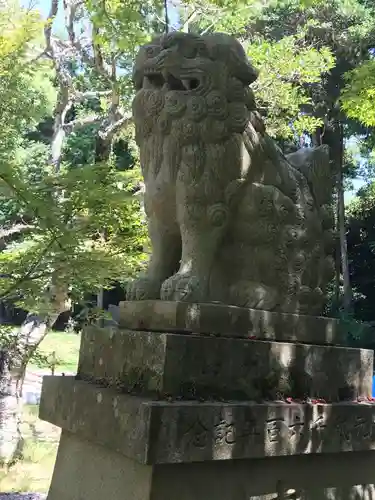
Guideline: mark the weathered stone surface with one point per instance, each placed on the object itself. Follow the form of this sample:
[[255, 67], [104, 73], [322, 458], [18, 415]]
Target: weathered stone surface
[[194, 367], [121, 423], [224, 320], [242, 223], [95, 472], [174, 432]]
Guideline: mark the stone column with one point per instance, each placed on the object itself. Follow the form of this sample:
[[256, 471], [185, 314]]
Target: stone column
[[210, 402]]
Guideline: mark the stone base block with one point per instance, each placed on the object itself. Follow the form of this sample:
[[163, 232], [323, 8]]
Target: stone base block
[[226, 321], [201, 367], [87, 471], [162, 432]]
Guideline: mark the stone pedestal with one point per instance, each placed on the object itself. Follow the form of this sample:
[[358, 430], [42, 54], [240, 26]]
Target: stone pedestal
[[257, 406]]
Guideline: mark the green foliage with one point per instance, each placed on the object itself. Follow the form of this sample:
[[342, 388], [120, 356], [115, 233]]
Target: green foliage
[[354, 332], [358, 97], [285, 69], [122, 26], [59, 350], [232, 16], [82, 226], [343, 30], [66, 239], [118, 30], [361, 251], [9, 343], [80, 146], [26, 92]]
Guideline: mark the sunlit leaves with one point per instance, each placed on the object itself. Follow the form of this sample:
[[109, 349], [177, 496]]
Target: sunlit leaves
[[284, 68], [358, 97], [17, 29], [26, 92], [232, 16], [120, 27], [83, 225], [68, 241]]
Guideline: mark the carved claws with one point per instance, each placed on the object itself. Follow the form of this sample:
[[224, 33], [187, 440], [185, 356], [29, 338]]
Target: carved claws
[[143, 289], [179, 287], [183, 287]]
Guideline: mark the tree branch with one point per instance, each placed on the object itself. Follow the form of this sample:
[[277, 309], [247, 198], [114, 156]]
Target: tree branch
[[70, 9], [90, 60], [80, 122], [61, 51], [21, 196], [110, 131], [190, 19], [48, 28], [16, 229], [92, 94], [29, 272]]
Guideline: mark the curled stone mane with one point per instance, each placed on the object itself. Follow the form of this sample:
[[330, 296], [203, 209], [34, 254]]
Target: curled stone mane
[[231, 219], [197, 84]]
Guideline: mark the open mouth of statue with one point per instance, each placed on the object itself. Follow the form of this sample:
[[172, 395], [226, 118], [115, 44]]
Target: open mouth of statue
[[168, 81]]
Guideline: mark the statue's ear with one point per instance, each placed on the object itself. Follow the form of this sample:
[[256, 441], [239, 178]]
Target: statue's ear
[[248, 74], [227, 49], [241, 66], [137, 79]]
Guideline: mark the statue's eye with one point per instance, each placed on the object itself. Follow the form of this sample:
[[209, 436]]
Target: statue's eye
[[151, 51], [193, 83]]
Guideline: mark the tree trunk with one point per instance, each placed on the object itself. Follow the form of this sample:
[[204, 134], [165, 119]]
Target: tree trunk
[[10, 411], [337, 290], [12, 372], [347, 295], [13, 362], [332, 134]]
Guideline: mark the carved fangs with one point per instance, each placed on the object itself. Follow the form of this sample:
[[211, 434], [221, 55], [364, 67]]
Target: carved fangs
[[169, 81]]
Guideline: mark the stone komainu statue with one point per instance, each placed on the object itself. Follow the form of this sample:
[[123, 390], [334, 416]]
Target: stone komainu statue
[[231, 219]]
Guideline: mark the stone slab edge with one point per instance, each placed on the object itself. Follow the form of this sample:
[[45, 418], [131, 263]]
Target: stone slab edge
[[155, 432], [157, 365], [224, 320]]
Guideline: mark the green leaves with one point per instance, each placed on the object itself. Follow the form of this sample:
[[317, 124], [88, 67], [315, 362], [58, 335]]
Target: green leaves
[[121, 27], [80, 226], [67, 240], [358, 96], [288, 63], [285, 69]]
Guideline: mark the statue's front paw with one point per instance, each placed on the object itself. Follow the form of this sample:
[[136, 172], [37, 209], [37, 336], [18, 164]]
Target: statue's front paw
[[182, 287], [143, 289]]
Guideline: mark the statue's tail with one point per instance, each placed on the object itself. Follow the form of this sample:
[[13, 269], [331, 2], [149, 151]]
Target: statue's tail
[[315, 165]]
